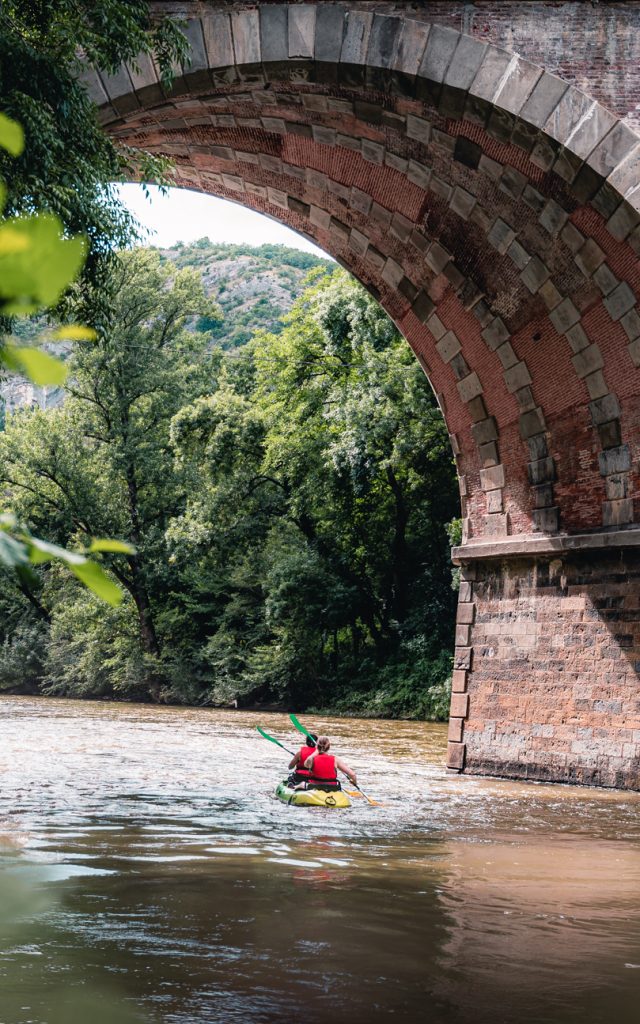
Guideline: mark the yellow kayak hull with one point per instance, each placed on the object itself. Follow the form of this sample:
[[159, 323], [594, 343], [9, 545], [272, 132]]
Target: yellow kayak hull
[[312, 797]]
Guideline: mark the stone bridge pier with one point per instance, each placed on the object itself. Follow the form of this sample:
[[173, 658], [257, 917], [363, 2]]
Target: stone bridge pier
[[477, 168]]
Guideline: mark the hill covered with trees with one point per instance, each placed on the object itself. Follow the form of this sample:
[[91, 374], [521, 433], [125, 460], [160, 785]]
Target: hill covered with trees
[[254, 286]]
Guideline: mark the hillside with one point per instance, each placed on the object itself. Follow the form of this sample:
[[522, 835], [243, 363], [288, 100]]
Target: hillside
[[254, 286]]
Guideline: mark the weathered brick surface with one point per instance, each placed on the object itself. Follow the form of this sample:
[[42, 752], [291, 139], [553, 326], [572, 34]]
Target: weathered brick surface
[[554, 692]]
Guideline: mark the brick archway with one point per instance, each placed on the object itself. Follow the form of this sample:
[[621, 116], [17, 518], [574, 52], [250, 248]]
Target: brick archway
[[494, 210]]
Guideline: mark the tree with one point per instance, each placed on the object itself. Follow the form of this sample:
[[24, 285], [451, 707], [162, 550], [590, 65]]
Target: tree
[[101, 465], [69, 162], [36, 265], [329, 470]]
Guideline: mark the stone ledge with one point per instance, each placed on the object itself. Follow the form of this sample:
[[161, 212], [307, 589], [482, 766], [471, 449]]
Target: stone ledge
[[545, 545]]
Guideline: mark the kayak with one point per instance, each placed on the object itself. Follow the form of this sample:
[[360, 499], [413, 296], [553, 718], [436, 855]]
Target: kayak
[[312, 797]]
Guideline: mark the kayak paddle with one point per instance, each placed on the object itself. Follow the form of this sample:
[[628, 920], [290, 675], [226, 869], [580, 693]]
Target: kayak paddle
[[374, 803], [272, 739], [300, 727]]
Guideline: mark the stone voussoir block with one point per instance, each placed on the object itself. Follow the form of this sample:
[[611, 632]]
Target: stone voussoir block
[[492, 477], [546, 520], [617, 513], [484, 431], [470, 387], [517, 377], [501, 235], [535, 274], [531, 423], [564, 316], [604, 409], [615, 460], [392, 272], [588, 361], [631, 324], [459, 705], [423, 306], [542, 471], [448, 346], [418, 129], [495, 333], [620, 301], [456, 756], [462, 635], [456, 730], [589, 257]]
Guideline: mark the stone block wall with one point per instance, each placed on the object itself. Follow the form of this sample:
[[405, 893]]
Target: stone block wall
[[546, 685], [595, 46]]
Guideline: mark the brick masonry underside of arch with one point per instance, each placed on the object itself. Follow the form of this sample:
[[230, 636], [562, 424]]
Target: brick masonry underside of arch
[[493, 210]]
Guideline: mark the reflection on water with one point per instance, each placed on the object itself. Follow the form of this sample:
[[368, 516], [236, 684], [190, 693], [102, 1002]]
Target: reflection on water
[[148, 874]]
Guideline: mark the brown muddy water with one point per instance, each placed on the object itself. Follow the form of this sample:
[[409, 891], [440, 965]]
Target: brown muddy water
[[147, 873]]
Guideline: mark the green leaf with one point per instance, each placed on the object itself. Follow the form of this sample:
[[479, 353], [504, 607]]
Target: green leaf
[[43, 551], [97, 580], [12, 241], [36, 278], [38, 366], [12, 552], [11, 135], [75, 332], [117, 546]]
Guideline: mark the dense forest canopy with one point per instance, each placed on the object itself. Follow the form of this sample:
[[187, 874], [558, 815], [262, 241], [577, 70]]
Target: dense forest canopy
[[287, 501]]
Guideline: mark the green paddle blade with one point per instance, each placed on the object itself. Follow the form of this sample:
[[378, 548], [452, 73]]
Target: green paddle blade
[[299, 726], [266, 735], [272, 739]]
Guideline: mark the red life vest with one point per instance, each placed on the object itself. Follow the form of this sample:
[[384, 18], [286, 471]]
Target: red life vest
[[323, 769], [303, 754]]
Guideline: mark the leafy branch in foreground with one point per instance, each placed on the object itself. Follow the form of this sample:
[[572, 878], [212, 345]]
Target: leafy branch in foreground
[[37, 264], [46, 49]]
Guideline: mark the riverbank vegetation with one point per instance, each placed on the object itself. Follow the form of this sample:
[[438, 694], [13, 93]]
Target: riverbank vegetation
[[287, 502]]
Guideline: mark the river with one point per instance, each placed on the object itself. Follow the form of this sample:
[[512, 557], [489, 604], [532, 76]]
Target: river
[[148, 874]]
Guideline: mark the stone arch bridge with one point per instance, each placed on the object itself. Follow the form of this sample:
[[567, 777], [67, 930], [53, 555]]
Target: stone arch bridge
[[477, 168]]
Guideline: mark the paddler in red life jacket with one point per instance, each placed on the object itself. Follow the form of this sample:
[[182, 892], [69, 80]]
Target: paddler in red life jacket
[[324, 767], [300, 773]]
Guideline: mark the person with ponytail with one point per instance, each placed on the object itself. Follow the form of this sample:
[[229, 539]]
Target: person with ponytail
[[323, 768]]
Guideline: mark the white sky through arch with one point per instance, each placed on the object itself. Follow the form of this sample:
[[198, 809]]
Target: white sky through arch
[[184, 216]]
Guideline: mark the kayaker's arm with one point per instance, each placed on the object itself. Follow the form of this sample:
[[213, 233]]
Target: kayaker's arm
[[341, 766], [309, 762], [294, 760]]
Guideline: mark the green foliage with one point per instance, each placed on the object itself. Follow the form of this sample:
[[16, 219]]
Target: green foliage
[[320, 495], [36, 265], [68, 160], [254, 285], [286, 503], [93, 652], [100, 465]]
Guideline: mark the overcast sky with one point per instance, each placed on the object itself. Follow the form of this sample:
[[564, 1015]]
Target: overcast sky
[[183, 216]]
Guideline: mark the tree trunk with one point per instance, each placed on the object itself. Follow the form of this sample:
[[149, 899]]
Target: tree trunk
[[148, 636], [398, 575]]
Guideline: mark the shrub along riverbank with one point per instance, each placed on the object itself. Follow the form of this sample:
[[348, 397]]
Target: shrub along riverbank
[[288, 502]]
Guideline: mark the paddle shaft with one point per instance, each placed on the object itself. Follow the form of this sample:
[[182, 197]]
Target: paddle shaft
[[374, 803]]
